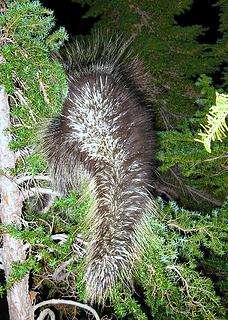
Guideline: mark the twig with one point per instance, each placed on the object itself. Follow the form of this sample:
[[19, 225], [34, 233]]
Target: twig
[[192, 190], [23, 153], [46, 312], [45, 191], [216, 158], [25, 178], [186, 287], [58, 274], [61, 237], [33, 191], [180, 228], [67, 302], [42, 89]]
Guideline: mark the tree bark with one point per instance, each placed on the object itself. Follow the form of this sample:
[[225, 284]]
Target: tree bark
[[19, 303]]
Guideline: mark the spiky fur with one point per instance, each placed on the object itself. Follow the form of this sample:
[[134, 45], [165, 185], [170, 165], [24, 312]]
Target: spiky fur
[[103, 136]]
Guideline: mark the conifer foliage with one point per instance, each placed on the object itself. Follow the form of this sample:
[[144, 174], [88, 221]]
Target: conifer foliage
[[182, 273]]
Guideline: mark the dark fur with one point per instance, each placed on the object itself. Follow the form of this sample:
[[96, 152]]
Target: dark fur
[[104, 66]]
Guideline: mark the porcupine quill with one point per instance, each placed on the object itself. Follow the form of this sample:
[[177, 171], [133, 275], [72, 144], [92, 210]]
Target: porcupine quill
[[104, 137]]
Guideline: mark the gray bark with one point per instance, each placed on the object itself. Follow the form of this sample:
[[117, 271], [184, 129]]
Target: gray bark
[[19, 303]]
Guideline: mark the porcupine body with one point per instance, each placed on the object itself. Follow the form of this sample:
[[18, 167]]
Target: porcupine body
[[103, 137]]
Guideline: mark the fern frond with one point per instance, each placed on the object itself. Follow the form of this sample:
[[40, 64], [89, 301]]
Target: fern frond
[[216, 126]]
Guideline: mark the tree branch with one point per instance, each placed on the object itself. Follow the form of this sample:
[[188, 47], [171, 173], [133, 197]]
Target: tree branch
[[19, 303], [187, 288], [68, 302], [34, 191], [7, 157], [25, 178], [46, 312]]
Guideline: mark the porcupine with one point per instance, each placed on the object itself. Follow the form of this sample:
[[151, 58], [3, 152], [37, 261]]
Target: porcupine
[[103, 137]]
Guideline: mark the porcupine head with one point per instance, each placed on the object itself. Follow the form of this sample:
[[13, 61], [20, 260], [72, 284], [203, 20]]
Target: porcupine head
[[103, 138]]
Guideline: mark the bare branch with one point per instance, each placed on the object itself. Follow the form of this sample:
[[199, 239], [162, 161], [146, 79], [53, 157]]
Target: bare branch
[[25, 178], [193, 191], [67, 302], [59, 275], [184, 230], [24, 153], [34, 191], [187, 289], [43, 89], [61, 237], [46, 312], [186, 286]]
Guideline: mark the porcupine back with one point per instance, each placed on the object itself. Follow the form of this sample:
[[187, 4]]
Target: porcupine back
[[103, 137]]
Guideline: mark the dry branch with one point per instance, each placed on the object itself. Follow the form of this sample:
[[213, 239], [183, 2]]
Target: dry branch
[[68, 302]]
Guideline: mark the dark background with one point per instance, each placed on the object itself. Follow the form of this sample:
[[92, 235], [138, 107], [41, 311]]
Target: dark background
[[70, 15]]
